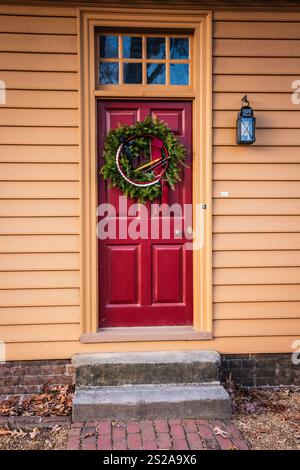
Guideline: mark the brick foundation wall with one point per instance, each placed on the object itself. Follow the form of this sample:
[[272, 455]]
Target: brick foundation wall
[[260, 370], [20, 377], [248, 370]]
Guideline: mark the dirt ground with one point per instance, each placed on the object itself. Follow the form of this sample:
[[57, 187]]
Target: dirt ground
[[53, 438], [269, 420]]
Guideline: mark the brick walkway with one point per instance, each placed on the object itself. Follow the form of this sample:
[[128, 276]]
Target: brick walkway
[[194, 434]]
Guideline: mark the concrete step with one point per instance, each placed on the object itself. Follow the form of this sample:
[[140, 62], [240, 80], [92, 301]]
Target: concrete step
[[151, 401], [159, 367]]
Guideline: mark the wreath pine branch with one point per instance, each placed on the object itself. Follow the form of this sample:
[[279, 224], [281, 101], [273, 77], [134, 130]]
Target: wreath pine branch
[[141, 132]]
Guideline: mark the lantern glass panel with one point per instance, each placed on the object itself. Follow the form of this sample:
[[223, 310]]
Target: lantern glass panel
[[246, 129]]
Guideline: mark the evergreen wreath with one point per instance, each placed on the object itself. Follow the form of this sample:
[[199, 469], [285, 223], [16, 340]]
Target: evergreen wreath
[[135, 139]]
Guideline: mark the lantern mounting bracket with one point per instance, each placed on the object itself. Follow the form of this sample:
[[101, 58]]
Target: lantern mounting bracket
[[245, 100]]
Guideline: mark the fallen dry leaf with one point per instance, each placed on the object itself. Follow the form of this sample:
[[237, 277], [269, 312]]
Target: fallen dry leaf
[[3, 432], [87, 435], [53, 401], [34, 433], [56, 428], [19, 433], [220, 432]]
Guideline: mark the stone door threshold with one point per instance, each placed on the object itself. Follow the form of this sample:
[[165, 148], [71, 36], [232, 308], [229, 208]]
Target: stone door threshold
[[148, 333]]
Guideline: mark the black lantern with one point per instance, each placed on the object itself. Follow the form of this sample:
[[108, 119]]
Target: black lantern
[[245, 125]]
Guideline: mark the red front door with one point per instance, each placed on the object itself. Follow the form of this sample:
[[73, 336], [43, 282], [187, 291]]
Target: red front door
[[145, 282]]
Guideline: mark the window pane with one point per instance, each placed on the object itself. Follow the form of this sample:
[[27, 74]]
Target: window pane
[[179, 48], [156, 48], [179, 74], [132, 73], [109, 47], [156, 74], [109, 73], [132, 47]]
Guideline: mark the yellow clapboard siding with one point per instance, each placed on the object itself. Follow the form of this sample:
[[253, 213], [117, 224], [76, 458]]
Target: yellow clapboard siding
[[39, 244], [259, 101], [66, 349], [263, 137], [275, 144], [39, 190], [36, 153], [38, 225], [256, 327], [231, 276], [38, 297], [39, 315], [255, 206], [264, 189], [39, 171], [34, 333], [265, 119], [262, 30], [44, 80], [254, 84], [256, 241], [38, 117], [237, 154], [39, 207], [256, 293], [234, 311], [226, 259], [37, 61], [44, 25], [32, 10], [264, 15], [41, 99], [39, 135], [38, 43], [256, 65], [39, 279], [270, 223], [256, 172], [39, 261], [256, 48]]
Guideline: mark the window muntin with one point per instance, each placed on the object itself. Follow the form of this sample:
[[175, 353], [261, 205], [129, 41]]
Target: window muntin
[[144, 59]]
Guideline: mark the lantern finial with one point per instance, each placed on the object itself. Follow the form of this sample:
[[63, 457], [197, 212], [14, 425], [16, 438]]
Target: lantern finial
[[245, 100]]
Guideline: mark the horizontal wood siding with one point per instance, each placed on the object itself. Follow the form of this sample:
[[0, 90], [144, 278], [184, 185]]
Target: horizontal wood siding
[[256, 240], [256, 230], [39, 177]]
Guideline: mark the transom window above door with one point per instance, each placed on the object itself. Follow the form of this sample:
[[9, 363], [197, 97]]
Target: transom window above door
[[144, 59]]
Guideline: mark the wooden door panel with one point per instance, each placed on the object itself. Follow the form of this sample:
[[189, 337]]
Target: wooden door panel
[[145, 282], [174, 119], [120, 117], [122, 272], [167, 259]]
